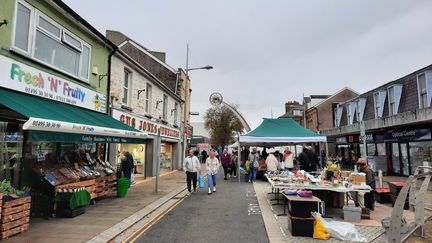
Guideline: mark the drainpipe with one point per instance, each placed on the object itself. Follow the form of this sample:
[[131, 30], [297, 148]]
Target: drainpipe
[[109, 100]]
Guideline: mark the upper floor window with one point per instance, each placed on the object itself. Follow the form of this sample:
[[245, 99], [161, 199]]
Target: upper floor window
[[424, 84], [394, 96], [361, 105], [148, 98], [338, 115], [379, 100], [126, 87], [165, 107], [351, 111], [40, 38], [176, 107], [297, 112]]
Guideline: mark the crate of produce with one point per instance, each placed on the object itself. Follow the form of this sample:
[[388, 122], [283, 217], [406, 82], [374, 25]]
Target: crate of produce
[[105, 185], [15, 216]]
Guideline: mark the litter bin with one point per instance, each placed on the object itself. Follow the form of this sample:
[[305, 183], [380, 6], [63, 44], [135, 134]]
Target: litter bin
[[122, 186]]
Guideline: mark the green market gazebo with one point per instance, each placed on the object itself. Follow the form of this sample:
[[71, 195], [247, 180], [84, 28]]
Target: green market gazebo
[[279, 132]]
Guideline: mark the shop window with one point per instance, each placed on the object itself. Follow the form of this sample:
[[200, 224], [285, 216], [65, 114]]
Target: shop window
[[420, 154], [380, 149], [379, 100], [371, 149], [165, 107], [360, 107], [148, 98], [126, 87], [424, 84], [51, 44], [394, 96]]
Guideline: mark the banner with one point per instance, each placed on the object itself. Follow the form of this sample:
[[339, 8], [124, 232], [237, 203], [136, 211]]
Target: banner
[[20, 77]]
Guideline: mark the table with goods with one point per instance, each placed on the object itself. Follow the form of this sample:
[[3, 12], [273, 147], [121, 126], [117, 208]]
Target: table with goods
[[304, 194]]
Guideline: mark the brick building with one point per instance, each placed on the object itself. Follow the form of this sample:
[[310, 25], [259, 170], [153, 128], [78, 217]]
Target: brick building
[[319, 109], [396, 117], [294, 110]]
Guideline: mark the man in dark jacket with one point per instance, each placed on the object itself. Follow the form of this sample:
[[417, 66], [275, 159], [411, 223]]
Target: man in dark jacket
[[127, 164], [312, 159], [304, 160]]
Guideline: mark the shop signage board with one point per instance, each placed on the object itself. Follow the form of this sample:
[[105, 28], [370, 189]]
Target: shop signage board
[[408, 134], [39, 124], [79, 138], [145, 125], [20, 77], [341, 139]]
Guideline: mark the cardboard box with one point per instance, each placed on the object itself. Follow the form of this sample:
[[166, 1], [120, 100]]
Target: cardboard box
[[358, 179], [345, 173]]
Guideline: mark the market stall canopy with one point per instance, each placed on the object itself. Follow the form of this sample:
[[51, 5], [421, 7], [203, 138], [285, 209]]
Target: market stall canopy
[[54, 121], [278, 132]]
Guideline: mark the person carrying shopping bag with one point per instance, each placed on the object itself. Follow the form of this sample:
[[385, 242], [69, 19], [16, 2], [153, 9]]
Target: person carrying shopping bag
[[212, 165], [191, 166], [253, 165]]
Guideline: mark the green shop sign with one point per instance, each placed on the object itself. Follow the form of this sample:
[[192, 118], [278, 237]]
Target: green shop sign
[[79, 138]]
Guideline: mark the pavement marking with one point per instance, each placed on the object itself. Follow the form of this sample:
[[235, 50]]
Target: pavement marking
[[133, 237], [254, 209]]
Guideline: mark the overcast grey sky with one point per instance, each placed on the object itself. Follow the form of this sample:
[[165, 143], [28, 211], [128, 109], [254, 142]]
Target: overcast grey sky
[[265, 52]]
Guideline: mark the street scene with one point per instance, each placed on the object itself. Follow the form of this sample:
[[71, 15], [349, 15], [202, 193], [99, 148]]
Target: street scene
[[216, 121]]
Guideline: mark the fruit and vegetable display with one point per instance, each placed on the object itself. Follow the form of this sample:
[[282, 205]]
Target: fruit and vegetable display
[[8, 190], [333, 167]]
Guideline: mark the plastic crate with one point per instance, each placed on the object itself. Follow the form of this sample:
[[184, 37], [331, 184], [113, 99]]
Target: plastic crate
[[300, 226]]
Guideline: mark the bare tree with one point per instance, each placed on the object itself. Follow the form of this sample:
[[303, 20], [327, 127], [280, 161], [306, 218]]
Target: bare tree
[[222, 124]]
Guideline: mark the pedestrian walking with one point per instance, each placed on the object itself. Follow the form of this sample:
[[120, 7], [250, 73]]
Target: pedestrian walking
[[234, 161], [226, 162], [203, 156], [191, 166], [304, 160], [253, 164], [212, 165], [127, 164]]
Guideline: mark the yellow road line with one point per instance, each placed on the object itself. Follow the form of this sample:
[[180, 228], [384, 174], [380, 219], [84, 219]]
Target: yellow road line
[[133, 237]]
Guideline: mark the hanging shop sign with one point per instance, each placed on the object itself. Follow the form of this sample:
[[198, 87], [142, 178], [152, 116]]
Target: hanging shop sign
[[23, 78], [188, 131], [408, 134], [369, 138], [145, 125]]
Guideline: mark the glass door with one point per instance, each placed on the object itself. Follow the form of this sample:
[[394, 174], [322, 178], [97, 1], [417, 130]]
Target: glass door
[[395, 158], [404, 159]]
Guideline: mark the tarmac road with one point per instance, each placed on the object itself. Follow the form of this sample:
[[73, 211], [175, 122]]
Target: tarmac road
[[229, 215]]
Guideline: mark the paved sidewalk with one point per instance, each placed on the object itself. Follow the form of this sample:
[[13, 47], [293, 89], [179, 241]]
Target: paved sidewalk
[[102, 216]]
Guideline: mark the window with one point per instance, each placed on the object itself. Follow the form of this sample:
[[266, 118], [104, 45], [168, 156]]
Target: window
[[165, 107], [379, 99], [351, 111], [394, 97], [39, 37], [422, 90], [126, 87], [148, 98], [338, 114], [361, 104], [175, 113], [297, 112], [22, 23]]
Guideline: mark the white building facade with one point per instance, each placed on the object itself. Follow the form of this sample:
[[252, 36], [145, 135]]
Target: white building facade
[[140, 100]]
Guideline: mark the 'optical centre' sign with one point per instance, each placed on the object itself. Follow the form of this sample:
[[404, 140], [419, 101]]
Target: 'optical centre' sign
[[145, 125], [23, 78]]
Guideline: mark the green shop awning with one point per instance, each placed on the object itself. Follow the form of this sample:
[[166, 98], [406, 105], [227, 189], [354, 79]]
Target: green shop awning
[[55, 121], [280, 131]]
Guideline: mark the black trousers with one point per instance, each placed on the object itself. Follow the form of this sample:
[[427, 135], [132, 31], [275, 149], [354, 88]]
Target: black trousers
[[191, 177], [233, 169], [225, 168]]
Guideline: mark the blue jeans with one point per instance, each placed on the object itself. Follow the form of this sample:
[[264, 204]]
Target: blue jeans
[[211, 180], [252, 174]]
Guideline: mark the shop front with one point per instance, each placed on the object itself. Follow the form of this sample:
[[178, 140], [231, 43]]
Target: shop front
[[169, 148], [53, 134], [400, 151], [348, 149]]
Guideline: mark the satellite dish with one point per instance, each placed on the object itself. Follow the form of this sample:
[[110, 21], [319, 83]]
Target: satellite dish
[[216, 99]]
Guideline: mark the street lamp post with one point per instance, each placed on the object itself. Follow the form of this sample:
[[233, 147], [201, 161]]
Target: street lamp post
[[187, 94]]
